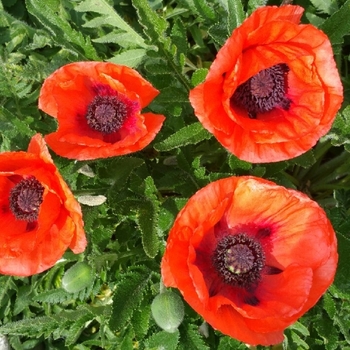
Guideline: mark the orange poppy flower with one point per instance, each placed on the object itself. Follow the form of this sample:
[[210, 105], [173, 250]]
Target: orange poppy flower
[[98, 106], [40, 217], [271, 92], [250, 257]]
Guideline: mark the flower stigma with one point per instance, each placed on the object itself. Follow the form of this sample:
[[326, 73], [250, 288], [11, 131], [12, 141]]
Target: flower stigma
[[239, 260], [264, 91], [25, 199]]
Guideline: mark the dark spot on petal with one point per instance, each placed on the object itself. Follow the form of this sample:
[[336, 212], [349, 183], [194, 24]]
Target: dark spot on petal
[[263, 232], [251, 300], [31, 226], [271, 270]]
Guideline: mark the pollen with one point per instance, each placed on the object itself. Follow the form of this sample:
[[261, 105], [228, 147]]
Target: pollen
[[25, 199], [264, 91]]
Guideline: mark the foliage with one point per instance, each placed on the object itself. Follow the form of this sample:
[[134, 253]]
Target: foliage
[[172, 44]]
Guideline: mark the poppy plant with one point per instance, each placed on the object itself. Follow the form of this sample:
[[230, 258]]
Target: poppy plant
[[271, 92], [40, 217], [98, 109], [250, 257]]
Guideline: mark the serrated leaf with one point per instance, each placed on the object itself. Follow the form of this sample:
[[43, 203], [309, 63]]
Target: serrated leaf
[[204, 9], [189, 135], [340, 131], [110, 16], [190, 338], [219, 32], [199, 76], [61, 31], [32, 327], [342, 277], [163, 341], [179, 37], [154, 25], [305, 160], [236, 163], [77, 327], [147, 219], [140, 320], [235, 13], [338, 25], [128, 296], [300, 328], [325, 6], [254, 4], [54, 296]]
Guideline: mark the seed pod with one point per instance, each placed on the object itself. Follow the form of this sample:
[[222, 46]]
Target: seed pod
[[168, 311], [77, 277]]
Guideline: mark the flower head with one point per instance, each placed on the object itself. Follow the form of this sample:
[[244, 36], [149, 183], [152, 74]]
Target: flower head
[[250, 257], [271, 92], [98, 108], [39, 214]]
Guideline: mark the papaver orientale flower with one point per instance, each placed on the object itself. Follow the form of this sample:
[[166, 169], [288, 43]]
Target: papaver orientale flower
[[40, 217], [273, 89], [98, 109], [250, 257]]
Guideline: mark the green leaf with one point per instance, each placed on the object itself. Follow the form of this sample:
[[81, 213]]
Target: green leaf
[[254, 4], [305, 160], [237, 164], [62, 33], [128, 296], [154, 25], [110, 16], [199, 76], [342, 277], [147, 219], [235, 14], [204, 10], [140, 320], [219, 32], [154, 28], [190, 338], [189, 135], [54, 296], [163, 341], [338, 25], [227, 343], [32, 327], [340, 132], [325, 6], [130, 58]]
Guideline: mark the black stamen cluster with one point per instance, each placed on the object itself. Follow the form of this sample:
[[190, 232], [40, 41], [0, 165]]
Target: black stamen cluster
[[25, 199], [239, 260], [264, 91], [107, 114]]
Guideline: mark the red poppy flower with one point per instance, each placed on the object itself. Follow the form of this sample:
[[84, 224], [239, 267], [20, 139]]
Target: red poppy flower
[[98, 106], [39, 216], [273, 89], [250, 257]]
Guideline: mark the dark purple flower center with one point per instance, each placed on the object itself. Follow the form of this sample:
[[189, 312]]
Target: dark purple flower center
[[25, 199], [239, 260], [107, 114], [264, 91]]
